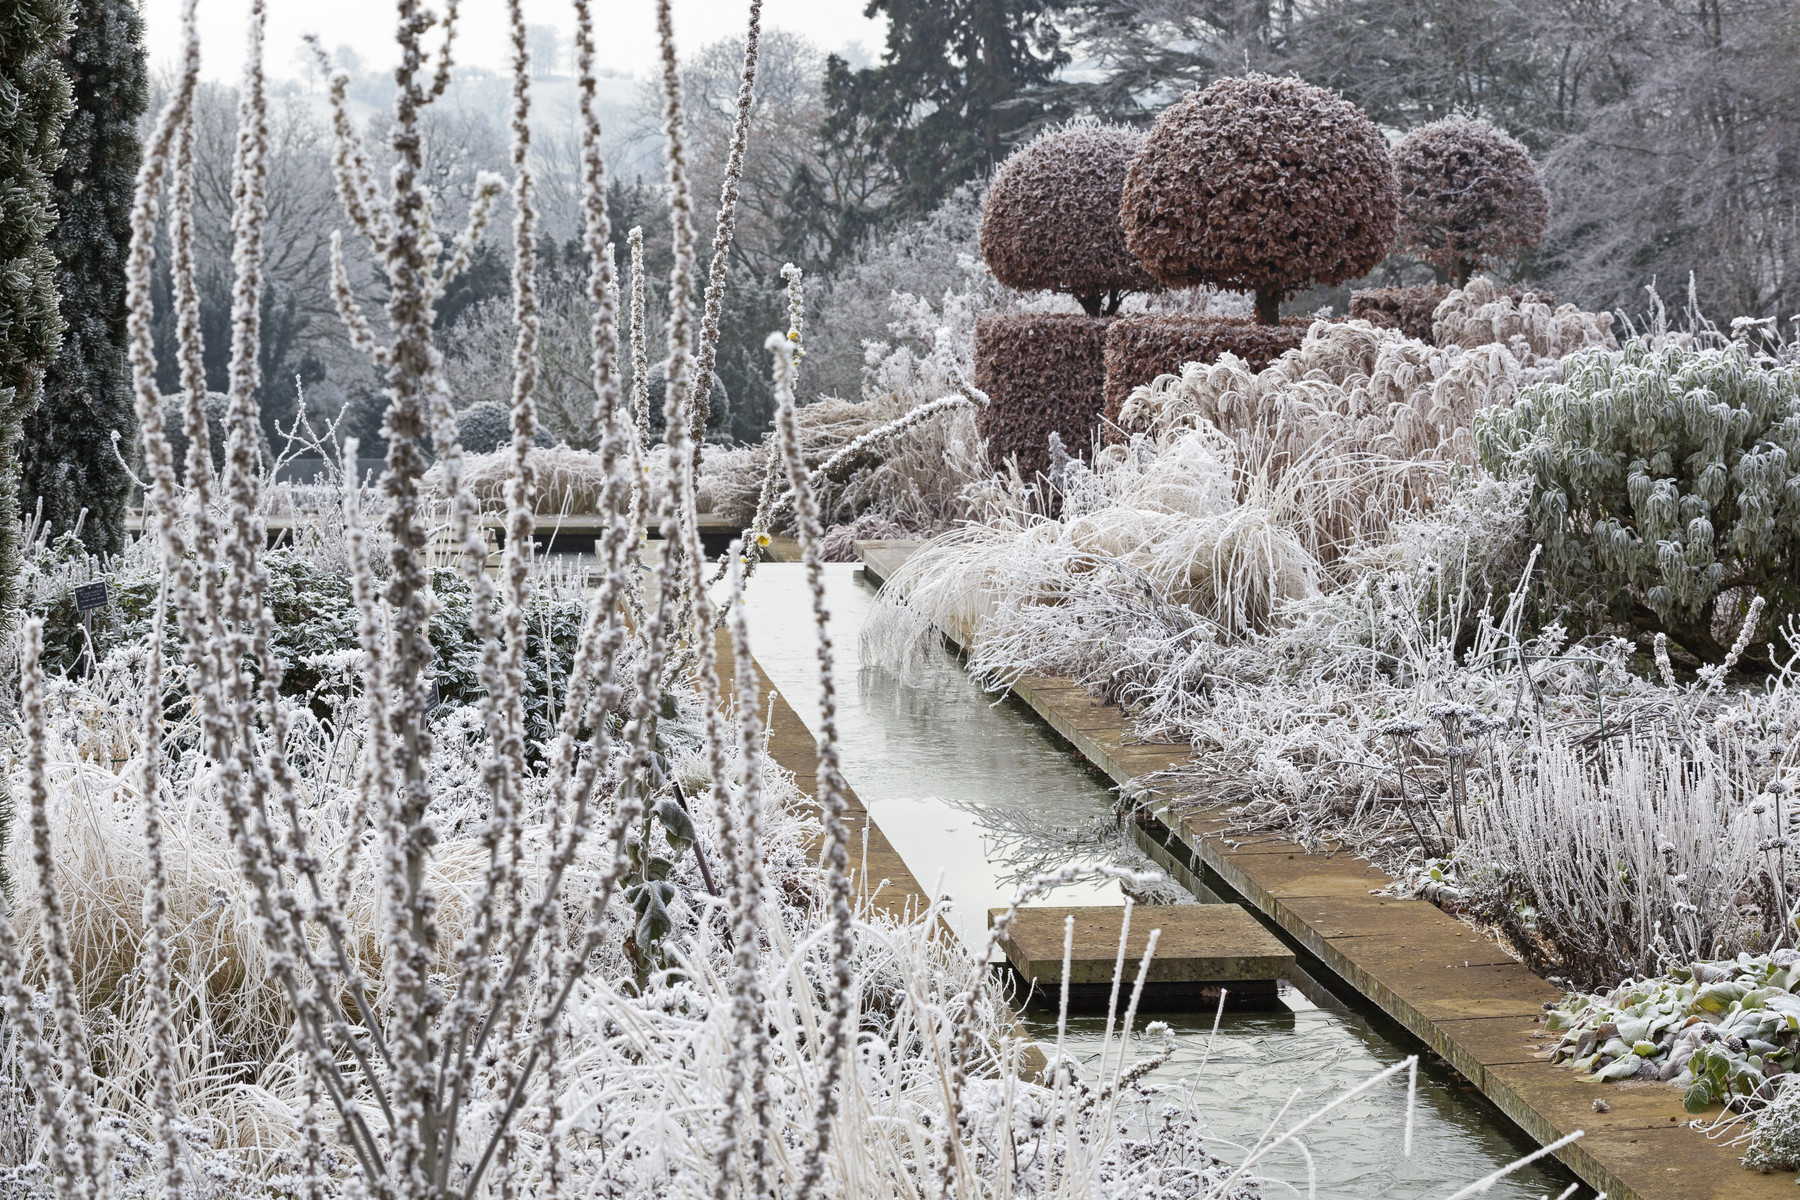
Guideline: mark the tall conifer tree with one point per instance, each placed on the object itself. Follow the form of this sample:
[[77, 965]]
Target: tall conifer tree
[[34, 98], [960, 84], [67, 459]]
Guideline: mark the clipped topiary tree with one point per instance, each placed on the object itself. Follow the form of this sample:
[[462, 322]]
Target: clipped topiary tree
[[1469, 194], [1261, 185], [1050, 222], [34, 98], [1662, 478], [486, 426]]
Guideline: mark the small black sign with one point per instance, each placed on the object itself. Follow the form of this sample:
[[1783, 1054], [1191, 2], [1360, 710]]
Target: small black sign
[[89, 596], [432, 700]]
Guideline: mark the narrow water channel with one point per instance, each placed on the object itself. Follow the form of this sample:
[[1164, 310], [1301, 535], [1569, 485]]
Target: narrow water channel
[[982, 795]]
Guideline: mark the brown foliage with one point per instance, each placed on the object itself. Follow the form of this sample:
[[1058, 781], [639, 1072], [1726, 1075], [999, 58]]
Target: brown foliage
[[1468, 194], [1140, 348], [1260, 184], [1410, 309], [1407, 309], [1042, 372], [1051, 219]]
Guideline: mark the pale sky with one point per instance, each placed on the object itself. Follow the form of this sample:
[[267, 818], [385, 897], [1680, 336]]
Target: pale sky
[[625, 29]]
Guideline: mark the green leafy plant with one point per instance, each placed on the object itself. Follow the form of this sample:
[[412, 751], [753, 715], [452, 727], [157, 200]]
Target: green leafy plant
[[1663, 477]]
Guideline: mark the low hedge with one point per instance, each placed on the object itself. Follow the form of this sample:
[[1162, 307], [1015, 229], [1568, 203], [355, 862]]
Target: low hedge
[[1139, 348], [1042, 372], [1409, 309]]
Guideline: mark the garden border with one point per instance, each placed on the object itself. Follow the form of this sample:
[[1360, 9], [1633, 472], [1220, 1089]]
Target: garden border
[[1452, 988]]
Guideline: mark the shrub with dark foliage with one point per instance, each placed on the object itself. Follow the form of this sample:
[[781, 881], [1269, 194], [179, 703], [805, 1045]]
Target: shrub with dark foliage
[[1139, 348], [67, 457], [1407, 309], [1043, 373], [1051, 219], [218, 408], [1260, 184], [486, 426], [34, 99], [1469, 194]]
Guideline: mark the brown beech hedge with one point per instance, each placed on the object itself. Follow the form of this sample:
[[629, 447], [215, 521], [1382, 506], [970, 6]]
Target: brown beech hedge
[[1409, 309], [1139, 348], [1042, 372]]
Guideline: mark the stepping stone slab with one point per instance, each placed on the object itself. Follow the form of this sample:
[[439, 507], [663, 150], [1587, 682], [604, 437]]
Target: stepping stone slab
[[1203, 949]]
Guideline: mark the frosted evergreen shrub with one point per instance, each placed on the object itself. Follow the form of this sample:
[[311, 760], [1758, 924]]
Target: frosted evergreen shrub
[[1662, 478]]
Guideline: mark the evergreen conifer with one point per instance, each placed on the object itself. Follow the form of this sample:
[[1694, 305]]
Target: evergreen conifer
[[66, 458], [34, 98]]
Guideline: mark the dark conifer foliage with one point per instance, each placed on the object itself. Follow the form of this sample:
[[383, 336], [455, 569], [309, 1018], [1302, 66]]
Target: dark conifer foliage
[[67, 458], [959, 85], [36, 99]]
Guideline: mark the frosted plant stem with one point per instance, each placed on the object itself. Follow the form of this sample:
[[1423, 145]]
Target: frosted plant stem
[[71, 1032], [836, 850], [157, 933], [724, 228]]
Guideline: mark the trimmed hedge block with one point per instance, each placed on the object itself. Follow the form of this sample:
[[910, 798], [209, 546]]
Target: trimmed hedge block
[[1139, 348], [1043, 373], [1407, 309]]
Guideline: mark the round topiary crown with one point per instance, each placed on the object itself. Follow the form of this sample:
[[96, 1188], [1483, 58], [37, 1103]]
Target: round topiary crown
[[1260, 184], [1051, 218], [1469, 194]]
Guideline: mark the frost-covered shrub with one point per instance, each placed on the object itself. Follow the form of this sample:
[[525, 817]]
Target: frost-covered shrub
[[216, 403], [1528, 323], [1051, 218], [1662, 479], [486, 426], [1260, 184], [1628, 860], [1469, 194]]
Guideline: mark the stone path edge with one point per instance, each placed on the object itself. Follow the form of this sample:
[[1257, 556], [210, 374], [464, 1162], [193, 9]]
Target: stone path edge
[[1480, 1018]]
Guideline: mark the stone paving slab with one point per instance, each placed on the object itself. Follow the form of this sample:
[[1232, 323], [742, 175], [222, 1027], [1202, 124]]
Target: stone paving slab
[[1211, 942]]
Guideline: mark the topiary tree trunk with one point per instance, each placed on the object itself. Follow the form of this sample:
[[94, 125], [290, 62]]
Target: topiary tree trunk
[[66, 457], [1268, 306], [37, 96]]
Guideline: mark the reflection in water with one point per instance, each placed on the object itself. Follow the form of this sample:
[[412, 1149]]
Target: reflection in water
[[984, 794]]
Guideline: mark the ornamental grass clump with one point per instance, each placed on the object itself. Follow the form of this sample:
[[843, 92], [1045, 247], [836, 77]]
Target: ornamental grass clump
[[1664, 487], [1539, 332], [1470, 195]]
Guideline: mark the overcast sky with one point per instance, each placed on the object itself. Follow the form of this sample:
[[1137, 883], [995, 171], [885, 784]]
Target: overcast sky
[[625, 29]]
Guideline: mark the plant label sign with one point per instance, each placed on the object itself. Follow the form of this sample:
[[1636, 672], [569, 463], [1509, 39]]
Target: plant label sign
[[89, 596]]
